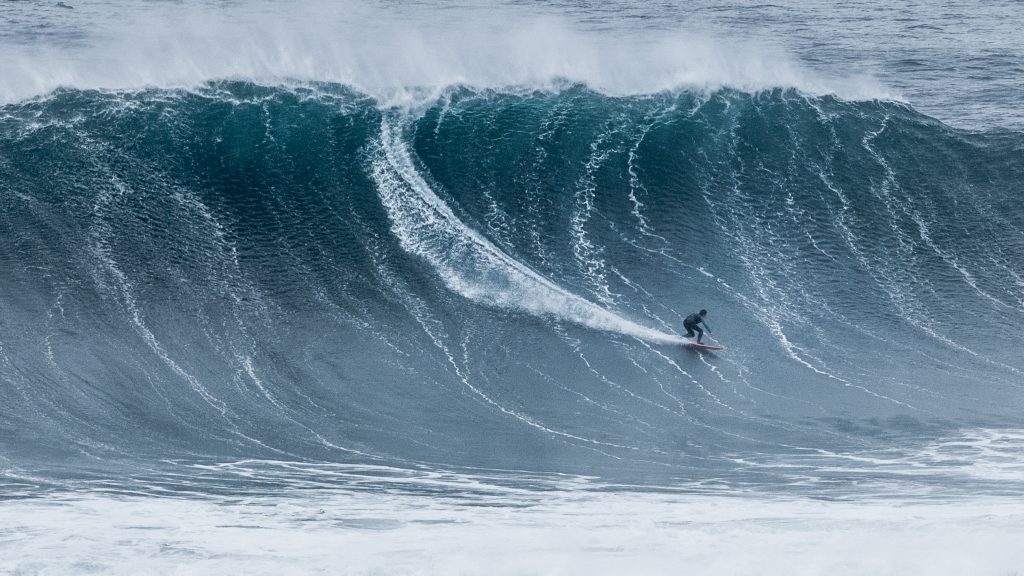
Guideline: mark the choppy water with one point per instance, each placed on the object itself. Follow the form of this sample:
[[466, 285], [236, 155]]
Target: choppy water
[[417, 261]]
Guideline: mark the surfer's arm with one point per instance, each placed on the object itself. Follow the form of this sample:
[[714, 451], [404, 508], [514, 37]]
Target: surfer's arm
[[706, 327]]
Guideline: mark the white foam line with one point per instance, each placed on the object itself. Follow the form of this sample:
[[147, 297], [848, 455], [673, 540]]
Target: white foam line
[[251, 373], [575, 345], [635, 183], [773, 323], [467, 262], [446, 105], [684, 373], [588, 399], [722, 431], [847, 234], [641, 290], [87, 423], [102, 251], [888, 200], [819, 248], [549, 125], [765, 316], [1020, 284], [749, 305], [896, 297], [245, 359], [714, 369], [925, 234], [588, 256], [923, 230], [792, 349], [464, 378]]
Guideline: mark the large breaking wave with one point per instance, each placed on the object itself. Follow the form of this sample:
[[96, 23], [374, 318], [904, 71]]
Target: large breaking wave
[[497, 279]]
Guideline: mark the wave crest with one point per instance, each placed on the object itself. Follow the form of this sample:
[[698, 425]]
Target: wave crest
[[385, 56]]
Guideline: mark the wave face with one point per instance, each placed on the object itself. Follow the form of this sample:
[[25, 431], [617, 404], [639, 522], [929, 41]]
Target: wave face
[[498, 279]]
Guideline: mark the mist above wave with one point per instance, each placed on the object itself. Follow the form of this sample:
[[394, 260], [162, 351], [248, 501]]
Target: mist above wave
[[384, 51]]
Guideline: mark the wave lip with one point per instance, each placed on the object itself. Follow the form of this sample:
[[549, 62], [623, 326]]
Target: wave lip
[[386, 58]]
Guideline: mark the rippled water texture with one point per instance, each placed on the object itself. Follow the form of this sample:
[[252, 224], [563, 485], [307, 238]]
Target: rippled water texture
[[395, 275]]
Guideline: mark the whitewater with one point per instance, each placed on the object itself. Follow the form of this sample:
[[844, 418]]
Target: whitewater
[[389, 288]]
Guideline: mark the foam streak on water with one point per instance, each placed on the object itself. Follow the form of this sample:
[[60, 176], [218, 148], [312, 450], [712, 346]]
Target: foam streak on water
[[469, 263]]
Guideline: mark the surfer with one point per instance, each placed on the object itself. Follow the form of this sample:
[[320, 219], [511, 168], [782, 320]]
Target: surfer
[[691, 323]]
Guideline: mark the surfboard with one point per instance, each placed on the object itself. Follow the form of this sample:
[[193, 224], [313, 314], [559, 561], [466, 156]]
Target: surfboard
[[701, 346]]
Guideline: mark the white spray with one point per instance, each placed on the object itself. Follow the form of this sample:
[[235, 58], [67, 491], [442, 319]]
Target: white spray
[[385, 50]]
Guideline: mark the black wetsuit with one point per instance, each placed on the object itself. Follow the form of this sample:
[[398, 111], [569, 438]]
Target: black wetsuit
[[691, 324]]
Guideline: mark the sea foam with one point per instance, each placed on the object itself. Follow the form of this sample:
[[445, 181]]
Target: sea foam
[[612, 533]]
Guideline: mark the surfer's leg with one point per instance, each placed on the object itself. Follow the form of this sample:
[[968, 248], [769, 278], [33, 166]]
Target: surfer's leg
[[689, 331], [700, 333]]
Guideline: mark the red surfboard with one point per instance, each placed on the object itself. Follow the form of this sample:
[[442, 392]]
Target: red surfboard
[[701, 346]]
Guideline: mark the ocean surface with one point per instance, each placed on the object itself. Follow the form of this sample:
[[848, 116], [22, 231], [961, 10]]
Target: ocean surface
[[398, 287]]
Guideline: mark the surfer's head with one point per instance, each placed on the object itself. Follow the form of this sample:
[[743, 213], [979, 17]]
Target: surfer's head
[[703, 312]]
